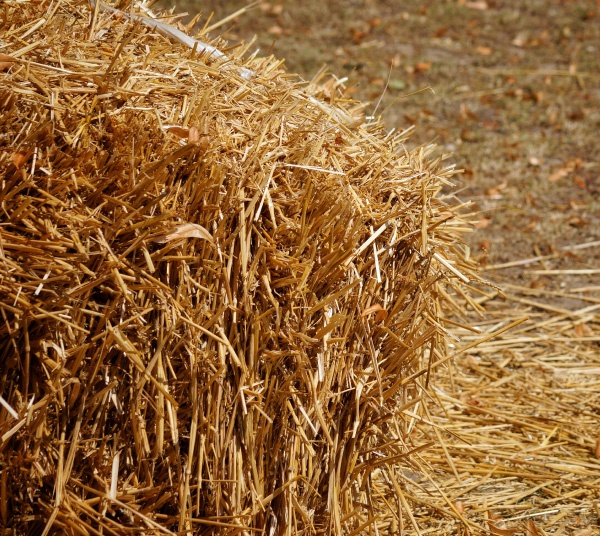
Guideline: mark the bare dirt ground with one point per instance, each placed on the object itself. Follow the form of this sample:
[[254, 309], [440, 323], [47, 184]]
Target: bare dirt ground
[[512, 90]]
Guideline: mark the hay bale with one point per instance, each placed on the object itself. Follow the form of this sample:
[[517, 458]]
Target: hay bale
[[222, 291]]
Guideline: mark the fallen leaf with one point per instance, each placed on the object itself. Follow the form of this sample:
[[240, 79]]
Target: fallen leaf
[[186, 230], [180, 132], [193, 135], [467, 113], [276, 30], [422, 66], [484, 245], [373, 23], [497, 190], [520, 41], [577, 221], [494, 529], [480, 6], [6, 61], [440, 32], [381, 315], [583, 330], [482, 223], [580, 182], [358, 35], [532, 529], [484, 51], [19, 159], [565, 170]]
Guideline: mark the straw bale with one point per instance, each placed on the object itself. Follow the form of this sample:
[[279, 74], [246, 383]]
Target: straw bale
[[222, 290]]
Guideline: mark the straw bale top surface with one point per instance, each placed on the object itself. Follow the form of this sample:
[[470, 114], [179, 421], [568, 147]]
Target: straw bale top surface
[[223, 291]]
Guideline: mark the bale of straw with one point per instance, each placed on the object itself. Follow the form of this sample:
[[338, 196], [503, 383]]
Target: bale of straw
[[222, 291]]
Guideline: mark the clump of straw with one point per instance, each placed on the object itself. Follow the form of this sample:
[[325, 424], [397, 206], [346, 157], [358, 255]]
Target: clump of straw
[[221, 296]]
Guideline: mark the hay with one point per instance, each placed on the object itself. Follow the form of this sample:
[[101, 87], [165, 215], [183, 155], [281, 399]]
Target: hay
[[517, 450], [222, 291]]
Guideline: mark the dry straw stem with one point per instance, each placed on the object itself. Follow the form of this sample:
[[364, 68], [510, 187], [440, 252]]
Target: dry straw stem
[[516, 428], [191, 261]]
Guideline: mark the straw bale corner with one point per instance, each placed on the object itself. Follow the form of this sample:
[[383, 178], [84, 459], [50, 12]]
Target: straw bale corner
[[222, 290]]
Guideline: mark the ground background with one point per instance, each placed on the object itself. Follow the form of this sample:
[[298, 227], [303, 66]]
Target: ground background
[[511, 89]]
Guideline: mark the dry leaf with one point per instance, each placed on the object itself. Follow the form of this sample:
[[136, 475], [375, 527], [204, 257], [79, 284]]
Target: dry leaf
[[484, 51], [577, 221], [358, 35], [180, 132], [532, 529], [565, 170], [482, 223], [583, 330], [484, 245], [380, 313], [6, 61], [193, 135], [467, 113], [276, 30], [440, 32], [186, 230], [497, 190], [480, 6], [19, 159], [580, 182], [494, 529], [422, 66], [520, 41]]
